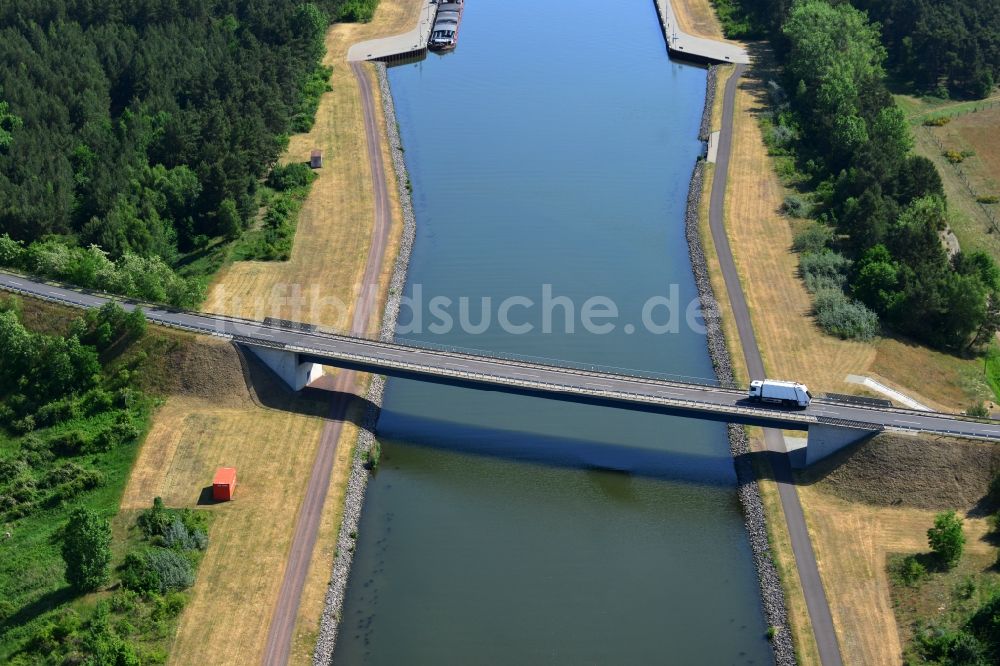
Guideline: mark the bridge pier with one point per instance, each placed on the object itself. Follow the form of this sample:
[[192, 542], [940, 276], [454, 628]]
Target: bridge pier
[[826, 438], [287, 365]]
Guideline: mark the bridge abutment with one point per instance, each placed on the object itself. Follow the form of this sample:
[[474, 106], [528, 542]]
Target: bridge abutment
[[287, 365], [825, 439]]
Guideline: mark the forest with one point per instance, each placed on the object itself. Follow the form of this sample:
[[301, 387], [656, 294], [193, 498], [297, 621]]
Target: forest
[[874, 255], [146, 127], [940, 47]]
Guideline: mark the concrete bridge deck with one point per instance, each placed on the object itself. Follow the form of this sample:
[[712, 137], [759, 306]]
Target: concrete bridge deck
[[304, 347], [682, 44]]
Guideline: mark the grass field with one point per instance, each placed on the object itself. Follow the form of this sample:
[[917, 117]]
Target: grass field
[[852, 543], [272, 449], [697, 17], [972, 127]]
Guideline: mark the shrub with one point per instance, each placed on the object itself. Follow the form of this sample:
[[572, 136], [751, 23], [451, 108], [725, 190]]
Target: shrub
[[154, 521], [843, 317], [357, 11], [178, 536], [813, 239], [824, 270], [978, 411], [373, 455], [290, 176], [909, 571], [156, 570], [988, 199], [11, 252], [940, 121], [946, 538], [954, 156], [86, 549], [796, 206], [56, 412]]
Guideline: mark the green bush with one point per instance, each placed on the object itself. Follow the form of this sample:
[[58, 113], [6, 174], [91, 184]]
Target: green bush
[[946, 538], [86, 550], [813, 239], [978, 411], [290, 176], [156, 570], [825, 269], [939, 121], [909, 571], [357, 11], [843, 317], [796, 206], [178, 537]]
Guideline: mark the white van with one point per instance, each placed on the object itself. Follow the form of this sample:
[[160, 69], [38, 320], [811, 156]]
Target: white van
[[789, 394]]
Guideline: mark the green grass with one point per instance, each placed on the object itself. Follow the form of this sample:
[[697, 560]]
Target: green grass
[[34, 597], [919, 109], [940, 602], [992, 368]]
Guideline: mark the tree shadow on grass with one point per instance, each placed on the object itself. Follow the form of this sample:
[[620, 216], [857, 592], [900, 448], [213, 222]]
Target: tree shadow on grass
[[46, 602]]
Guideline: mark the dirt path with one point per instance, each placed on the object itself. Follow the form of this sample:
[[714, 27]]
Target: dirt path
[[344, 385], [805, 557]]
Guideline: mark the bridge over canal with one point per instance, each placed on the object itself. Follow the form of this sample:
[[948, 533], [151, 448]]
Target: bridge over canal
[[297, 352]]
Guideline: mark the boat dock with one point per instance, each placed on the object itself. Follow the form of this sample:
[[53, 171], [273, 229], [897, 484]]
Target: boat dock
[[683, 45], [405, 46]]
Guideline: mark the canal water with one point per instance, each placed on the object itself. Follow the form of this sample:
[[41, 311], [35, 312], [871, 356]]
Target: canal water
[[550, 157]]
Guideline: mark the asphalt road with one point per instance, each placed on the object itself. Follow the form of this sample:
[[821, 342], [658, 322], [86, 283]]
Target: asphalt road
[[344, 384], [805, 557]]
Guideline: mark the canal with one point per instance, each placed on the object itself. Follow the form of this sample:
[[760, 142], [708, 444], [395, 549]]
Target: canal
[[550, 157]]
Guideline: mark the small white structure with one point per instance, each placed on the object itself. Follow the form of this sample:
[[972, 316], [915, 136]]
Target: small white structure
[[789, 394]]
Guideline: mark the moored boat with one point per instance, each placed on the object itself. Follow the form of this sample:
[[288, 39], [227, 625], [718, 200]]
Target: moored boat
[[444, 34]]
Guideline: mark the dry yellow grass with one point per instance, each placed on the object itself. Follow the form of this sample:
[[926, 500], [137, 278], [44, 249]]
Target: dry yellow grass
[[791, 343], [852, 542], [697, 17], [250, 537]]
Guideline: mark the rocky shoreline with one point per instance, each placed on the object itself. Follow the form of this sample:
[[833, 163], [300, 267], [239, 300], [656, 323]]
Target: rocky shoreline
[[772, 593], [706, 117], [358, 481]]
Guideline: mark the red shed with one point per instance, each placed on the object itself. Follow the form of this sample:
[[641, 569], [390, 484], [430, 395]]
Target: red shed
[[224, 484]]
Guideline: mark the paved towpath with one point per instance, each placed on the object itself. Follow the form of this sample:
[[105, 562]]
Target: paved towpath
[[805, 557], [279, 637]]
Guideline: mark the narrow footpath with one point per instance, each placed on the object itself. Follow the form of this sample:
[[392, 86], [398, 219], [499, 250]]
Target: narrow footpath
[[805, 558], [282, 626]]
